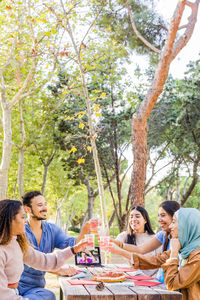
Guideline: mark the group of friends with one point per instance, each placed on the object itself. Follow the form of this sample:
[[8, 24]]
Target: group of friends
[[27, 247]]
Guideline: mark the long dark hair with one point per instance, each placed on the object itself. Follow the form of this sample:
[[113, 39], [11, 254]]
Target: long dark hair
[[170, 207], [8, 210], [147, 227]]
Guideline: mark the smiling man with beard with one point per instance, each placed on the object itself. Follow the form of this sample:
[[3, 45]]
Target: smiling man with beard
[[45, 237]]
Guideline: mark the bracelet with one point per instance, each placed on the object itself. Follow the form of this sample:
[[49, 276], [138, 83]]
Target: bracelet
[[123, 245], [72, 249], [120, 244]]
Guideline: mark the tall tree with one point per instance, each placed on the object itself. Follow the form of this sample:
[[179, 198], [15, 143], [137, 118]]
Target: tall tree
[[174, 125], [173, 45], [23, 51]]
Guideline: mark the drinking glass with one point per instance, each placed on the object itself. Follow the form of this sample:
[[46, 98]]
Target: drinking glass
[[90, 240]]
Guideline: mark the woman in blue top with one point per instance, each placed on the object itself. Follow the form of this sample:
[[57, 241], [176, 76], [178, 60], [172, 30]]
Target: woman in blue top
[[165, 214]]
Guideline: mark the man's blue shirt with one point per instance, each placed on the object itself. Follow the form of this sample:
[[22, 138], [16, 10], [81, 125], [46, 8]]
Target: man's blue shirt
[[52, 237]]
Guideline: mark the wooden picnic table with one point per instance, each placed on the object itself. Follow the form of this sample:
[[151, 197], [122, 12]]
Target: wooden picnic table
[[113, 292]]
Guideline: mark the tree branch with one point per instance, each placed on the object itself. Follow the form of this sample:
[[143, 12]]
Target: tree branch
[[193, 183], [182, 41], [91, 25], [137, 32], [28, 79]]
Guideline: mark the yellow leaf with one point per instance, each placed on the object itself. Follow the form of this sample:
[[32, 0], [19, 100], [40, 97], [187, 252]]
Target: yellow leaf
[[73, 150], [93, 98], [71, 86], [98, 115], [81, 161], [96, 107], [68, 118], [80, 116], [81, 125], [89, 148], [65, 92], [103, 95], [96, 91]]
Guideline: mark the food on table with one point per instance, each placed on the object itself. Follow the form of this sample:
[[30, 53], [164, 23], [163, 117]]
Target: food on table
[[109, 276]]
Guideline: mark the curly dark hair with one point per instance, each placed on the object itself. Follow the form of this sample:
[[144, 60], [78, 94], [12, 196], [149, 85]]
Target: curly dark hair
[[8, 210], [26, 199]]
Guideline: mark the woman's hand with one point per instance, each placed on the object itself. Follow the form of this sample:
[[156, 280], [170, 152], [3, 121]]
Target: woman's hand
[[116, 242], [66, 271], [114, 248], [80, 246], [175, 246]]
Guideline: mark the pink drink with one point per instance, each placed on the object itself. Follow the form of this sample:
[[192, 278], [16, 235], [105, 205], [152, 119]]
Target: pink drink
[[104, 243], [90, 240], [93, 225]]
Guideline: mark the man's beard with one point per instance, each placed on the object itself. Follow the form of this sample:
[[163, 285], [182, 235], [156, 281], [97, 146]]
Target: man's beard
[[36, 217]]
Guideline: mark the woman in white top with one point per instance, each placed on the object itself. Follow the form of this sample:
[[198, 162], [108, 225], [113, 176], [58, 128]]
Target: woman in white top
[[138, 232], [15, 250]]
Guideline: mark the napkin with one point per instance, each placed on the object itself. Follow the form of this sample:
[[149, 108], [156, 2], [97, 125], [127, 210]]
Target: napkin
[[137, 272], [146, 283], [82, 270], [125, 283], [125, 270], [79, 275], [140, 277], [81, 282]]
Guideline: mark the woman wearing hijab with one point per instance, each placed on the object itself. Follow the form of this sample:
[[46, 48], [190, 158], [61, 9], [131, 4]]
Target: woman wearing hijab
[[181, 264]]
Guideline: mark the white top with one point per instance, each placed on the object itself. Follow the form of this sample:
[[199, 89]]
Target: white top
[[141, 238], [12, 264]]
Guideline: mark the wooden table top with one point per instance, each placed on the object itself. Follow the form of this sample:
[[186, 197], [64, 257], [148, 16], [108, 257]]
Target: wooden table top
[[113, 292]]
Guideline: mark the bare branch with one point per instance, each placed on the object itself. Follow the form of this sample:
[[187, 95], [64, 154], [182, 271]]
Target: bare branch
[[6, 64], [91, 25], [126, 173], [185, 185], [190, 4], [182, 27], [195, 177], [3, 91], [163, 65], [149, 45], [182, 41], [28, 79]]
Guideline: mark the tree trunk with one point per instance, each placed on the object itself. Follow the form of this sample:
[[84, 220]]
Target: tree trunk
[[21, 173], [173, 45], [21, 153], [90, 206], [46, 168], [91, 126], [140, 159], [6, 155]]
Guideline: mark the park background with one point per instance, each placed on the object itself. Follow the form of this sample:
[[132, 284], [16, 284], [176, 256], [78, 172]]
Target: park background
[[49, 144], [45, 135]]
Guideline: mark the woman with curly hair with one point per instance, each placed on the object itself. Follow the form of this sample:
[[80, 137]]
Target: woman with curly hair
[[15, 250]]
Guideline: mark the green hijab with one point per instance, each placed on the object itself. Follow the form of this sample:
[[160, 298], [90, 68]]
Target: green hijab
[[188, 230]]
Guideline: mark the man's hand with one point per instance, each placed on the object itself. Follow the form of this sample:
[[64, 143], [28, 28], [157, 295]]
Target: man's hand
[[85, 230], [80, 246], [175, 246]]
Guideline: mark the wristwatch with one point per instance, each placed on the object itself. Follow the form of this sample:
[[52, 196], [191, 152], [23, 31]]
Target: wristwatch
[[72, 249]]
